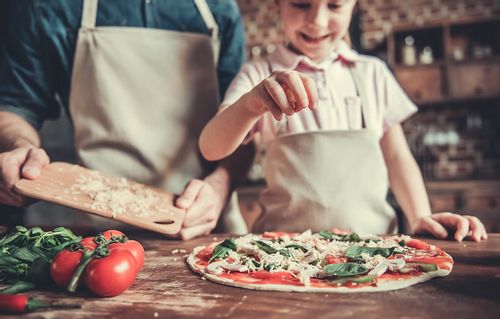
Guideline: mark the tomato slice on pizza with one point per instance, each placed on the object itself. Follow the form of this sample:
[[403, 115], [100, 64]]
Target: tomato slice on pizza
[[328, 261]]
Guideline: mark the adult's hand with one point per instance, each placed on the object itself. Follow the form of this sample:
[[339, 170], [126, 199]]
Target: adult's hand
[[23, 162], [203, 206]]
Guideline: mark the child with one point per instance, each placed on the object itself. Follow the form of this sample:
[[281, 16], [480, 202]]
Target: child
[[330, 119]]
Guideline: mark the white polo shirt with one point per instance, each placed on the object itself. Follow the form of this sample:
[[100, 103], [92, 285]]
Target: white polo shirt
[[339, 107]]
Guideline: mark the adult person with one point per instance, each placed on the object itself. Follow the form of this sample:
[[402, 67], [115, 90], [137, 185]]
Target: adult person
[[139, 79]]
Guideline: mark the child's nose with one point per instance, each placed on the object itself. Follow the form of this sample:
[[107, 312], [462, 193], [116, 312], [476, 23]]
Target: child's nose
[[318, 15]]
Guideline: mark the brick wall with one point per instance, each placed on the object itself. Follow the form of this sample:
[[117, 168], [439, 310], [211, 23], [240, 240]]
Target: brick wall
[[457, 142]]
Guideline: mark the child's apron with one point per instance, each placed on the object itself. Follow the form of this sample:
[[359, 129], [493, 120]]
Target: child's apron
[[325, 179]]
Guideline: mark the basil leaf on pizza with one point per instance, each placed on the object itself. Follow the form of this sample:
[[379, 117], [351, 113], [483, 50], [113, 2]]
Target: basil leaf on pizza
[[351, 237], [355, 252], [344, 269], [222, 250], [327, 261]]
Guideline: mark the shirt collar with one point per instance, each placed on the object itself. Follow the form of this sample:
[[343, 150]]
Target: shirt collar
[[284, 58]]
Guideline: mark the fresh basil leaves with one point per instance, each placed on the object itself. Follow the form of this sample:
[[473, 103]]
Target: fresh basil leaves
[[25, 256], [354, 252], [344, 269], [297, 246], [341, 237], [268, 249], [222, 250]]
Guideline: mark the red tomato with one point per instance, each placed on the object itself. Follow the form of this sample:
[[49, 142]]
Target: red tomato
[[112, 232], [206, 253], [88, 243], [418, 244], [111, 275], [329, 259], [275, 234], [64, 265], [135, 248]]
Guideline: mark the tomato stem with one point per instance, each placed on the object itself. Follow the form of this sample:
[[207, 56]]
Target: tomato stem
[[88, 255], [86, 259]]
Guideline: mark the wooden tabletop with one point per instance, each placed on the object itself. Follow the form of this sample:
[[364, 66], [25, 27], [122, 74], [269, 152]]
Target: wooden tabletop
[[166, 288]]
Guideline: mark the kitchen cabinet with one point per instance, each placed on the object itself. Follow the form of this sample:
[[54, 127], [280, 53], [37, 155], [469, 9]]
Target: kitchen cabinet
[[422, 83], [474, 79], [447, 61]]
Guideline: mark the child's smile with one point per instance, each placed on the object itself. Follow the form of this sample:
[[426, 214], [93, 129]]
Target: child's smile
[[315, 39], [314, 27]]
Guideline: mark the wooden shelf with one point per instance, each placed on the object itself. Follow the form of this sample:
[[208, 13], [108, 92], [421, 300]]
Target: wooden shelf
[[435, 64], [448, 80]]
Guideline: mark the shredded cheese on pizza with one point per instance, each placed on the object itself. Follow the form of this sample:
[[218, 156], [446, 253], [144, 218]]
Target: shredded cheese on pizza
[[306, 255]]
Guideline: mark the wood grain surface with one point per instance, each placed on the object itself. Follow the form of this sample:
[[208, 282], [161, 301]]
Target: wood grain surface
[[57, 181], [166, 288]]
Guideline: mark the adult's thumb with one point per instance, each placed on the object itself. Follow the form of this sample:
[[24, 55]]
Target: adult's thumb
[[35, 161]]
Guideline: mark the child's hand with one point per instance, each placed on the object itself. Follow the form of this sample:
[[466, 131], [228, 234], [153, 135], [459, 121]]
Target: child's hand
[[285, 92], [462, 225]]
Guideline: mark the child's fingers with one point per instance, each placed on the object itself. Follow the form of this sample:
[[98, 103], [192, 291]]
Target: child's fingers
[[311, 89], [462, 227], [271, 105], [477, 228], [293, 81], [277, 93], [434, 228], [455, 221]]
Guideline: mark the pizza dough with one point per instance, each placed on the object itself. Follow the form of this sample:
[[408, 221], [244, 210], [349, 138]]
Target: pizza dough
[[320, 262]]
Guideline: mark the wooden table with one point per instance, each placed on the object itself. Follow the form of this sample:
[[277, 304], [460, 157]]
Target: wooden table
[[166, 288]]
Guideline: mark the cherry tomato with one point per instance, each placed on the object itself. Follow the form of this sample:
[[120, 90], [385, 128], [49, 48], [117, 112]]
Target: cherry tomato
[[88, 243], [63, 266], [111, 275], [135, 248], [112, 232]]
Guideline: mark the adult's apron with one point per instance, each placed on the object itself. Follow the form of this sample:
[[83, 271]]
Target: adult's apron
[[139, 100], [324, 179]]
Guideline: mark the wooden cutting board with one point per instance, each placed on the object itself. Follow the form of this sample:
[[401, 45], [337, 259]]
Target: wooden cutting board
[[111, 197]]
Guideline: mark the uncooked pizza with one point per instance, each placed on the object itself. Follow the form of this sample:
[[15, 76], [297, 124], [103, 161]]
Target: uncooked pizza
[[328, 261]]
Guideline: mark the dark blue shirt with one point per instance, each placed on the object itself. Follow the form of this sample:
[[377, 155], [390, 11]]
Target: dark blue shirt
[[40, 42]]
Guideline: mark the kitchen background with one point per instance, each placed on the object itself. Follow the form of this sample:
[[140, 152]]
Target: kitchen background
[[446, 55]]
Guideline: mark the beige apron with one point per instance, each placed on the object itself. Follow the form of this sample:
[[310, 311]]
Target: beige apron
[[140, 98], [325, 179]]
